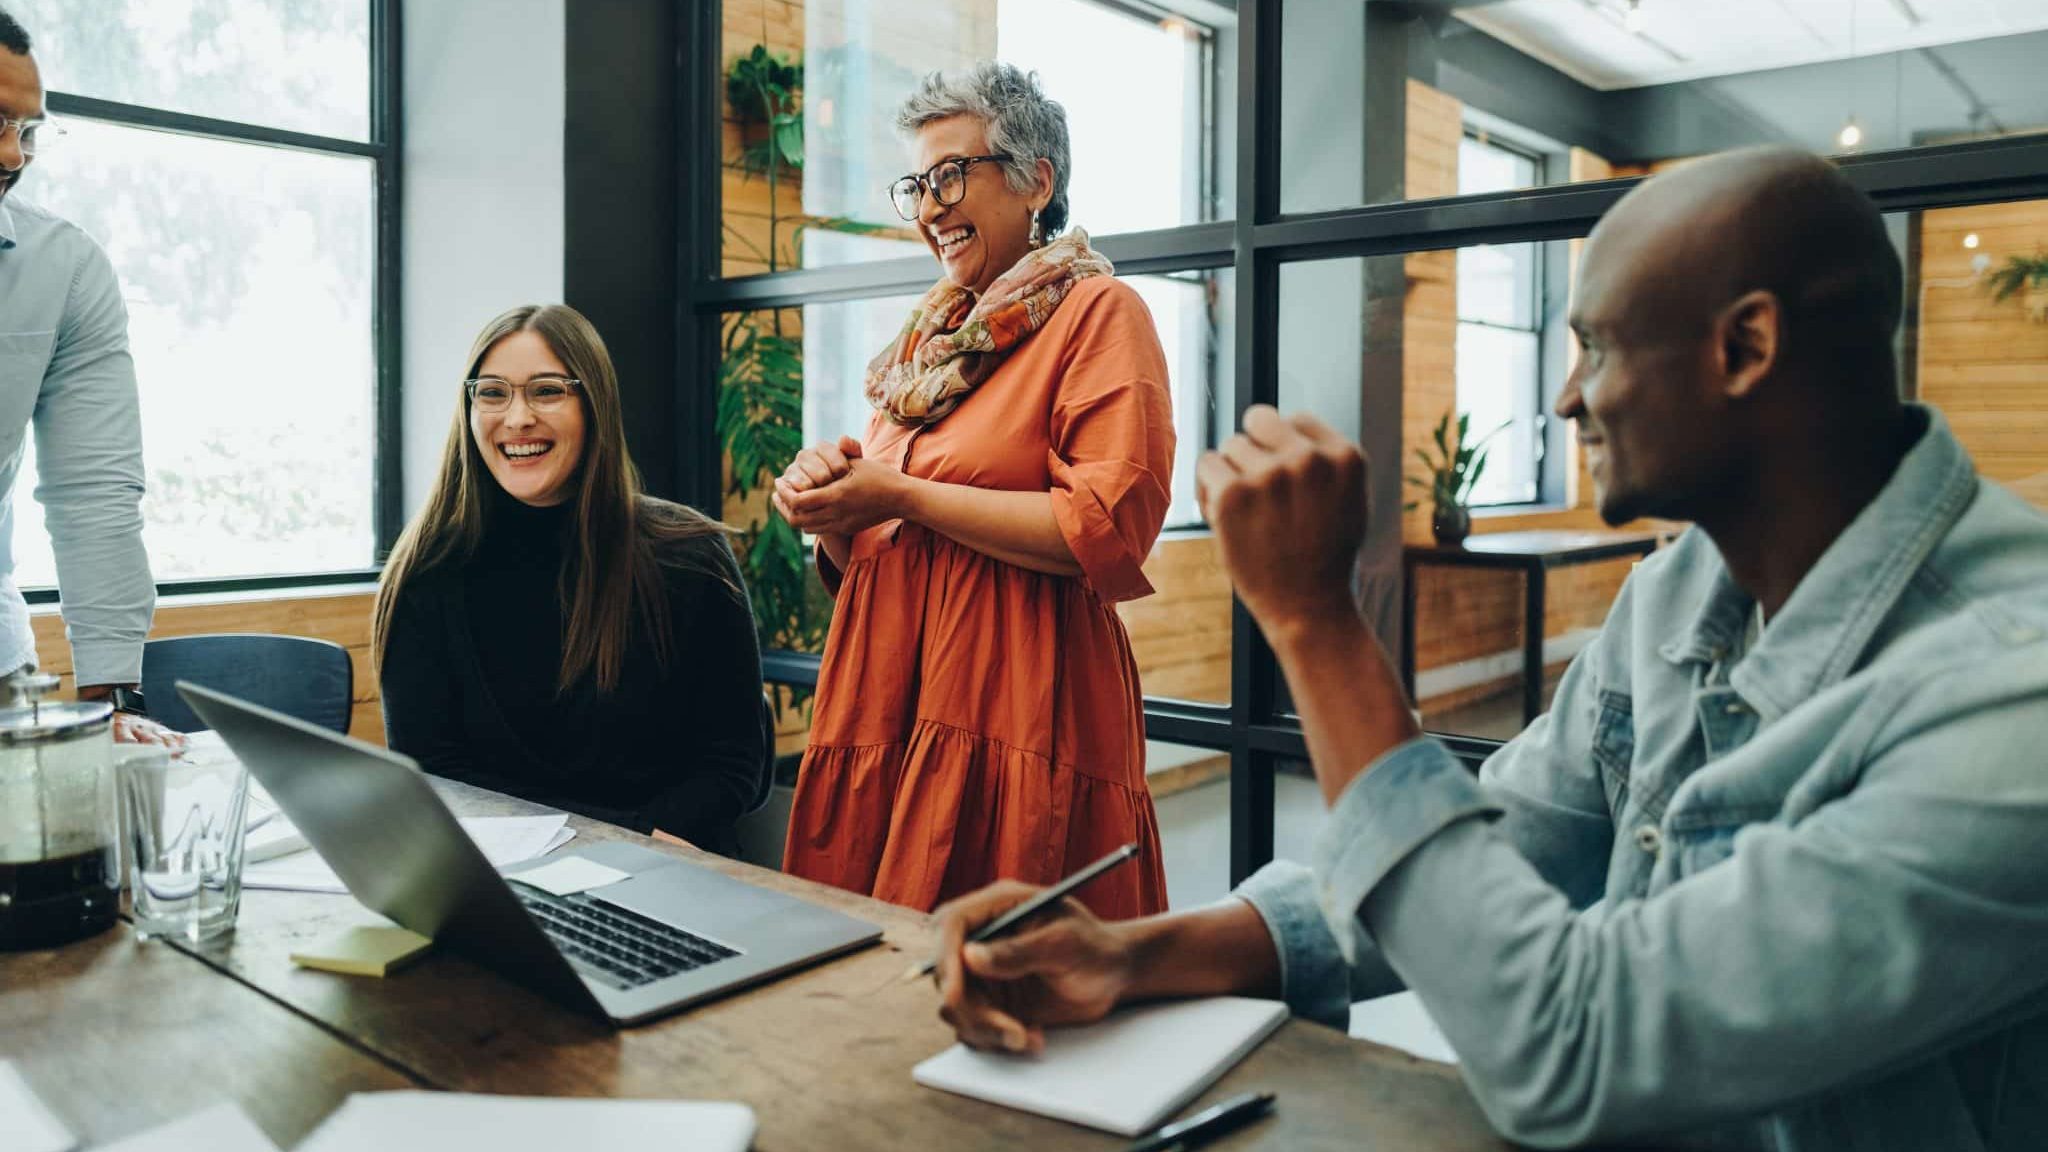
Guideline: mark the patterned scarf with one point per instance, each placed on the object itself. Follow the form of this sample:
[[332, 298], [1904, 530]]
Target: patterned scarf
[[952, 341]]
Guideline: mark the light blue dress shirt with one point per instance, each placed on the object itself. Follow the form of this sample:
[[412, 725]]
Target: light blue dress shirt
[[65, 369], [1801, 905]]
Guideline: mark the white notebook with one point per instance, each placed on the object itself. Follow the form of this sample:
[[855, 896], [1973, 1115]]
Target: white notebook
[[222, 1128], [437, 1121], [1126, 1074]]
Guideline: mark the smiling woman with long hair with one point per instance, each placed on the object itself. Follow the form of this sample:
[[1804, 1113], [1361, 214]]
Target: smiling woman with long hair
[[544, 628]]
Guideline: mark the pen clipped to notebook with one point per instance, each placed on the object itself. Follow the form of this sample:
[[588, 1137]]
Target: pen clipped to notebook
[[1032, 907]]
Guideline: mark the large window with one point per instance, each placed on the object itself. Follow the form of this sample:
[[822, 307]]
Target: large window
[[248, 245], [808, 97], [821, 202], [1500, 322]]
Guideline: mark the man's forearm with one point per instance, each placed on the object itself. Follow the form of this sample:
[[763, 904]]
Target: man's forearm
[[1353, 709], [1221, 950]]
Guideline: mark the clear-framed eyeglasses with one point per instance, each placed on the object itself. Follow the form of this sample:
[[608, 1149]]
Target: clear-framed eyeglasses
[[947, 181], [543, 393], [36, 133]]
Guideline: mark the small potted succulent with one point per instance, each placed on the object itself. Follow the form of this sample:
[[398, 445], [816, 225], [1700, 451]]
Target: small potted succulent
[[2026, 276], [1448, 477]]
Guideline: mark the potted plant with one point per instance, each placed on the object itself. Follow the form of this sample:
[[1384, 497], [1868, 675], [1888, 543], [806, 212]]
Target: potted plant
[[2027, 276], [1448, 477]]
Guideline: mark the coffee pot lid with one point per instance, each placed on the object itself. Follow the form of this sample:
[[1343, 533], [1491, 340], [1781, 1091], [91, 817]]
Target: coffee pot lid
[[33, 722]]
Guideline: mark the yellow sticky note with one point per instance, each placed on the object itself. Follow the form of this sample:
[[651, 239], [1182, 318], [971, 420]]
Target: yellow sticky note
[[364, 951]]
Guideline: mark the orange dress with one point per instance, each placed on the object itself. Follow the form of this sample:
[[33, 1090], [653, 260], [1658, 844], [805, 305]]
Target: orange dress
[[975, 720]]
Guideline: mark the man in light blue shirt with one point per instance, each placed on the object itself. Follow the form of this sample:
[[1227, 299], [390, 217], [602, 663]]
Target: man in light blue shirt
[[1773, 871], [65, 369]]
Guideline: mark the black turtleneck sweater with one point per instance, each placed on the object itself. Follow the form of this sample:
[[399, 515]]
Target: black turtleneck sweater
[[469, 686]]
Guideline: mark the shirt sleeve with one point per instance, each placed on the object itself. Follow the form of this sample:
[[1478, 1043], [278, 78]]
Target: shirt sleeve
[[88, 429], [1317, 981], [1797, 956], [1112, 441]]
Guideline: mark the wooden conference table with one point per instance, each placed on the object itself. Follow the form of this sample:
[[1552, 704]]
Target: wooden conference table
[[118, 1036]]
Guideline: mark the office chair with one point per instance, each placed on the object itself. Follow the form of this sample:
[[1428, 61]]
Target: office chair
[[766, 785], [297, 675]]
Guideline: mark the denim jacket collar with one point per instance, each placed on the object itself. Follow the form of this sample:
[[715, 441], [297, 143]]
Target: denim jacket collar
[[1816, 639]]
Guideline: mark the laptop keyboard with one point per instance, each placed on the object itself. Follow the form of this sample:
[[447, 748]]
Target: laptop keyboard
[[615, 946]]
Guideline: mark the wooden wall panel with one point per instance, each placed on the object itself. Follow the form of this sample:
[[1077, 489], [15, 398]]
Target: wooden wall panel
[[1984, 363], [342, 616], [1180, 636]]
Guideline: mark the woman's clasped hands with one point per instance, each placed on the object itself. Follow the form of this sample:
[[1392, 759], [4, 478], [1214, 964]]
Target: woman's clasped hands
[[831, 489]]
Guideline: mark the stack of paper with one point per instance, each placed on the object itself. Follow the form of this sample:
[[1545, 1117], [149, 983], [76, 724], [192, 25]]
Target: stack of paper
[[1400, 1021], [26, 1123], [221, 1128], [504, 840], [1123, 1075], [435, 1121]]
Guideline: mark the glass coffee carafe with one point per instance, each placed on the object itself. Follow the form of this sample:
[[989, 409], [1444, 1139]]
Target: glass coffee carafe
[[59, 879]]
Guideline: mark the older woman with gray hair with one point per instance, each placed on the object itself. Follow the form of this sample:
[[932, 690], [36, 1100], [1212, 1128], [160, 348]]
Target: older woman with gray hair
[[978, 711]]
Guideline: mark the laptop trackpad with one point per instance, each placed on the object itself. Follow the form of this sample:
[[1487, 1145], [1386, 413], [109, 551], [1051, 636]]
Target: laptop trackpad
[[710, 904], [631, 859]]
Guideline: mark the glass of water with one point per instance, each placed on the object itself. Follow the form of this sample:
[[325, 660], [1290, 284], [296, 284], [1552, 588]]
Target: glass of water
[[183, 828]]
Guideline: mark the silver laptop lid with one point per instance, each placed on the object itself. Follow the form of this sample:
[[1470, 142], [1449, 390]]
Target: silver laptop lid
[[372, 815]]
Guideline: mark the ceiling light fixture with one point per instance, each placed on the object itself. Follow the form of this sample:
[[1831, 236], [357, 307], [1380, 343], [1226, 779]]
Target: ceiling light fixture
[[1634, 20], [1970, 241], [1851, 134]]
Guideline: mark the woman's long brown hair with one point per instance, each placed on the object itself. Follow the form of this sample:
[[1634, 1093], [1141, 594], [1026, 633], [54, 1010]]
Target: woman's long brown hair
[[611, 576]]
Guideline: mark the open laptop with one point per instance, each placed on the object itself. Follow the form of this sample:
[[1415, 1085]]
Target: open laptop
[[670, 935]]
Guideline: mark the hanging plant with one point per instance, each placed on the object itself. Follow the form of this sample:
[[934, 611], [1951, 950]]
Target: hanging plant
[[2027, 277]]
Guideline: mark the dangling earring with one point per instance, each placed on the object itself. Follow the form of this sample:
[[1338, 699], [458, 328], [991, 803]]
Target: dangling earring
[[1037, 230]]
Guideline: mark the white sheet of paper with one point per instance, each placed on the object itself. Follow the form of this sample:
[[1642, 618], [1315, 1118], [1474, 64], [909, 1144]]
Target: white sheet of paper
[[435, 1121], [504, 840], [26, 1123], [1400, 1021], [221, 1128], [569, 875], [1126, 1074]]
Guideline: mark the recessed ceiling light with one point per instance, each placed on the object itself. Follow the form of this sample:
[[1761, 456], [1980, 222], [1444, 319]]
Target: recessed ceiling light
[[1850, 135], [1970, 241]]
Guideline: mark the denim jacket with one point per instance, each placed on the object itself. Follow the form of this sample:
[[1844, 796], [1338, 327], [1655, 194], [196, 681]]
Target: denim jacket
[[1803, 906]]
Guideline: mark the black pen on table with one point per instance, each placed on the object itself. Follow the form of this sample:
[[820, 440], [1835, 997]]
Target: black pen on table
[[1033, 906], [1207, 1124]]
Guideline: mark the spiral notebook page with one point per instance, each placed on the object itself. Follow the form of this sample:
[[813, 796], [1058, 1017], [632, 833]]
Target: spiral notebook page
[[1126, 1074]]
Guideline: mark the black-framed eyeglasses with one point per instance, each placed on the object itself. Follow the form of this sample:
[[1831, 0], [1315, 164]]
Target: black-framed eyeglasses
[[543, 393], [34, 132], [947, 181]]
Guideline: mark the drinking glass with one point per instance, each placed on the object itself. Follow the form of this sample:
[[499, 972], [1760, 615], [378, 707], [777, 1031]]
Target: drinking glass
[[183, 824]]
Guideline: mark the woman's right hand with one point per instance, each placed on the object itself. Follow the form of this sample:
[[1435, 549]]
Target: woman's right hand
[[814, 467], [1066, 967], [822, 463]]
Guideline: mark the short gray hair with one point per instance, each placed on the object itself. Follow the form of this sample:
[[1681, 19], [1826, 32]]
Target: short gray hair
[[1020, 118]]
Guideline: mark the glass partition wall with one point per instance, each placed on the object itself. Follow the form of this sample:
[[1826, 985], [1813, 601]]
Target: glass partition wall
[[1369, 211]]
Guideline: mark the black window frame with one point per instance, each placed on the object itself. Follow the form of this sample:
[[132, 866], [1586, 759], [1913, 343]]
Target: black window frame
[[385, 150], [1254, 728]]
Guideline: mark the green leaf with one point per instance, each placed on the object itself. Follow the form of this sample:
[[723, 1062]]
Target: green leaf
[[789, 139]]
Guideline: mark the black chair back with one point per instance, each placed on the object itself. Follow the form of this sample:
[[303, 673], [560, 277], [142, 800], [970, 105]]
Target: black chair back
[[296, 675]]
